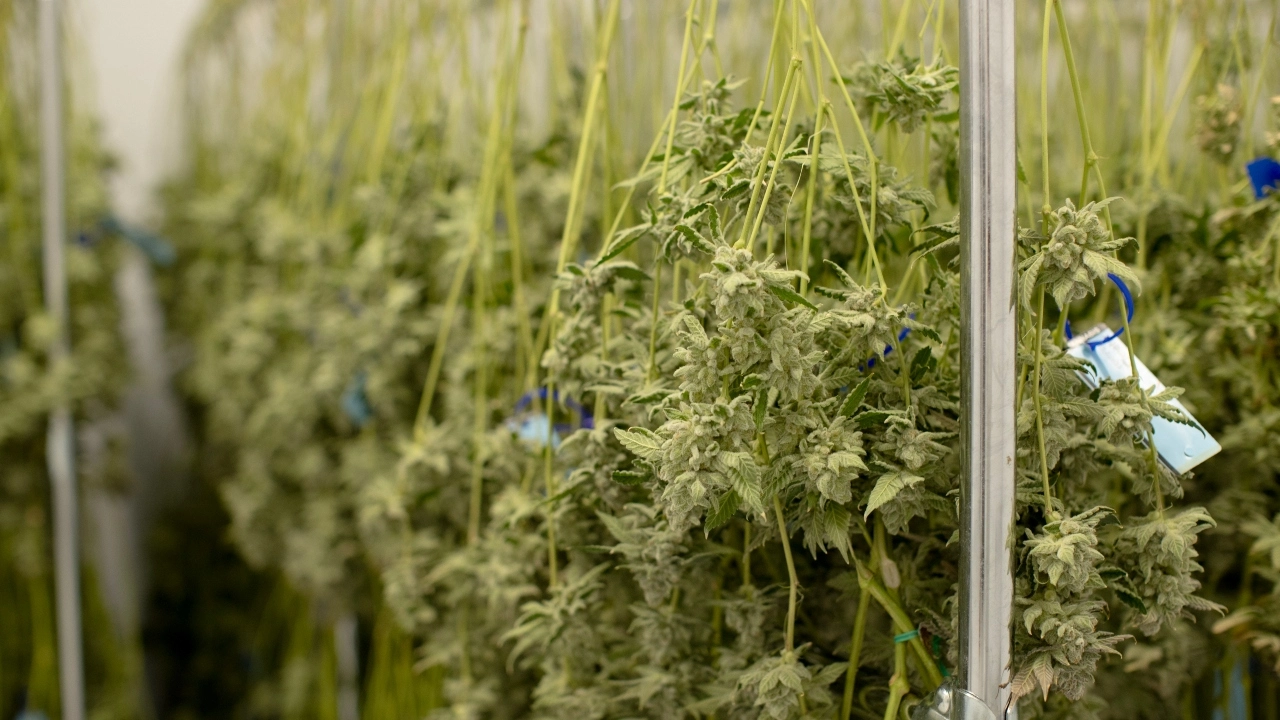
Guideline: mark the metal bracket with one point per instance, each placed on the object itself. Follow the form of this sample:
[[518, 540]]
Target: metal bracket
[[948, 703]]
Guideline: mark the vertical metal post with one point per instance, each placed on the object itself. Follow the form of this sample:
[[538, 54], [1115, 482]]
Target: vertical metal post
[[988, 234], [60, 448], [346, 640]]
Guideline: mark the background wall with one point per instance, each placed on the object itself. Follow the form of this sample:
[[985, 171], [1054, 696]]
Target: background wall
[[134, 47]]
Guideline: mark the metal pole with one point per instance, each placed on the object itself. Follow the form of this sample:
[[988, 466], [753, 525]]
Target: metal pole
[[60, 444], [988, 234], [346, 638]]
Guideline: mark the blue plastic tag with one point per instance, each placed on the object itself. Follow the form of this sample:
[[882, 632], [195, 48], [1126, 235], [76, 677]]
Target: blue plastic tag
[[1181, 447], [1264, 174]]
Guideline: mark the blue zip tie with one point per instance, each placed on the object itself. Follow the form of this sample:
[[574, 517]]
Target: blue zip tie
[[1264, 173], [1128, 305]]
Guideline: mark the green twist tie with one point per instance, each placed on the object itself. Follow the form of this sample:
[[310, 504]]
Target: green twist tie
[[907, 636]]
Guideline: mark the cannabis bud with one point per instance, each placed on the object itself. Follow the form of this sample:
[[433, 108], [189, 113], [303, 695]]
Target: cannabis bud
[[906, 92], [1078, 252], [1273, 136], [1218, 123]]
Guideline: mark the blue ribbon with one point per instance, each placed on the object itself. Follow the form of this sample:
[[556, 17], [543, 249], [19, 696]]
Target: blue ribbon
[[1264, 173], [1128, 305]]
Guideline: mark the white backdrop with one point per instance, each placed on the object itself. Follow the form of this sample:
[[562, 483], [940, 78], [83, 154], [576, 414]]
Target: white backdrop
[[129, 51], [132, 49]]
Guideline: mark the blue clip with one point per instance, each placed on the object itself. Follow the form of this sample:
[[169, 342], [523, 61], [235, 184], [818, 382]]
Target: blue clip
[[1128, 307], [355, 402], [1264, 173], [871, 362], [541, 393], [156, 248]]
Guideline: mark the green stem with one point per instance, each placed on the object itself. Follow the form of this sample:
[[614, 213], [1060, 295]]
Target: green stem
[[652, 372], [1035, 397], [577, 205], [815, 151], [794, 582], [1044, 116], [606, 311], [902, 623], [764, 161], [1091, 161], [481, 417], [777, 160], [675, 103], [548, 454], [899, 31], [855, 651], [867, 228], [1078, 95], [481, 224], [899, 686]]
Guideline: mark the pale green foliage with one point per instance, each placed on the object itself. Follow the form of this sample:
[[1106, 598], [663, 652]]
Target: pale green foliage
[[1065, 555], [1218, 118], [1273, 134], [1070, 646], [905, 91], [1159, 553], [643, 569], [1078, 253]]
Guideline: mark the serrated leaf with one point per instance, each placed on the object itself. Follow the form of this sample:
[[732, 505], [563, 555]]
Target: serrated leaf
[[640, 441], [888, 487], [1112, 573], [920, 363], [1130, 599], [840, 273], [623, 240], [631, 272], [744, 474], [871, 419], [696, 239], [735, 189], [758, 411], [929, 332], [628, 477], [649, 398], [695, 328], [855, 398], [722, 511], [791, 296]]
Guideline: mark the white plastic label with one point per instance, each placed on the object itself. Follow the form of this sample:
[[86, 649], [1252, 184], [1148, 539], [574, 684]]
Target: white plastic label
[[1181, 447]]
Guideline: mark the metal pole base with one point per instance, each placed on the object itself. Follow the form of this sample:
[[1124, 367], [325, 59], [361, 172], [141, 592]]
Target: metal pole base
[[949, 703]]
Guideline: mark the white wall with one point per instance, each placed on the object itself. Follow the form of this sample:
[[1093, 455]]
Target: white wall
[[132, 48], [129, 51]]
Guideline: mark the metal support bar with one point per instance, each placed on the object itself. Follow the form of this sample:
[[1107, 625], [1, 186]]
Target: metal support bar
[[988, 235], [346, 646], [60, 449]]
